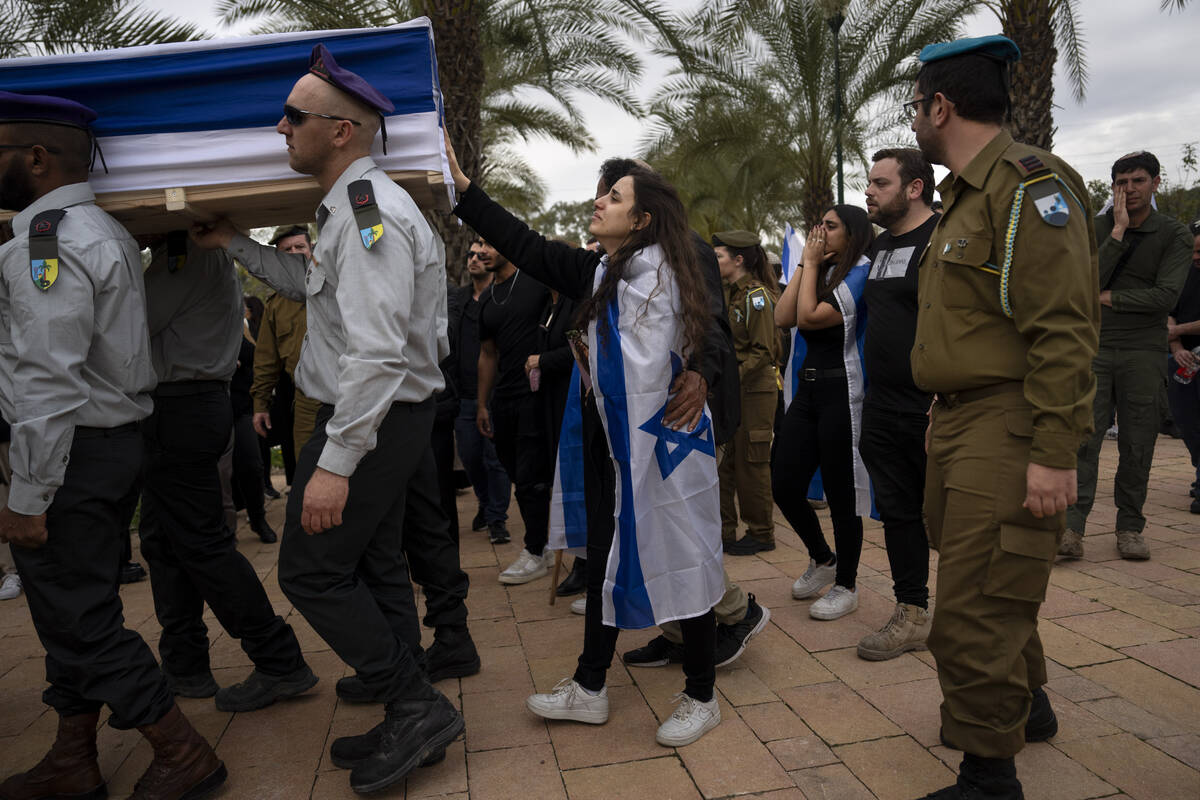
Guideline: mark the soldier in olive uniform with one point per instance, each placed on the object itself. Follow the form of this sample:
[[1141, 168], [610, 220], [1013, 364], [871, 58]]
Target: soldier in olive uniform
[[746, 468], [1007, 326]]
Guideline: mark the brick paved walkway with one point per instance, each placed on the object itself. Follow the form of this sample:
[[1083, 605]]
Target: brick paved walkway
[[802, 716]]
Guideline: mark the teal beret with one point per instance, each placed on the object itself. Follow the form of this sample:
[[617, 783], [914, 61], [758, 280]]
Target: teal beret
[[1000, 48]]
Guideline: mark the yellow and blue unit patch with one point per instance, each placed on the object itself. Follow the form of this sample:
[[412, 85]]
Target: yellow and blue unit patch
[[371, 235], [44, 272]]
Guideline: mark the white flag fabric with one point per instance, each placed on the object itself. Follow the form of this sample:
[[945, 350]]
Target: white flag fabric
[[665, 562]]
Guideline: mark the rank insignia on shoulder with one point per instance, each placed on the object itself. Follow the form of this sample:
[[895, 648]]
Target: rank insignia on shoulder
[[1050, 202], [1031, 163], [43, 248], [366, 212]]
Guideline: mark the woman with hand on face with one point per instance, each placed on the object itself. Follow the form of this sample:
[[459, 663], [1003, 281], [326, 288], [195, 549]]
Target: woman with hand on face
[[654, 556], [821, 427]]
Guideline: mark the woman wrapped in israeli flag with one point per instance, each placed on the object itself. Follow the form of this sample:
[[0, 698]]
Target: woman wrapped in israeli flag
[[644, 494]]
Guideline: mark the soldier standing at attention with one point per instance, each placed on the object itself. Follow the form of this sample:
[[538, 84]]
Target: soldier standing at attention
[[1007, 325], [75, 380], [1144, 257], [745, 470], [376, 289]]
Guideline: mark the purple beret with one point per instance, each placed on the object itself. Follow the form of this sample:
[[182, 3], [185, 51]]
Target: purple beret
[[322, 64], [44, 108]]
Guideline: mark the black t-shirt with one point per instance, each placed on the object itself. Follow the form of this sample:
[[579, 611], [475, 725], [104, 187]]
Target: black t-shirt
[[468, 347], [510, 314], [1187, 307], [891, 300], [824, 346]]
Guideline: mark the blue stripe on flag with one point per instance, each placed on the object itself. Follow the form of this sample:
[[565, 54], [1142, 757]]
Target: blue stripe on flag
[[631, 601], [570, 467], [226, 88]]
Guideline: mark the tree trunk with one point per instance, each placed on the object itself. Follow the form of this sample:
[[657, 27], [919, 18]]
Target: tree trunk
[[1028, 23], [460, 72]]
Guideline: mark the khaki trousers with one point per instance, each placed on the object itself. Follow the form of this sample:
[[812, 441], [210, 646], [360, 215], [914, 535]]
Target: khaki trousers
[[745, 471], [993, 567]]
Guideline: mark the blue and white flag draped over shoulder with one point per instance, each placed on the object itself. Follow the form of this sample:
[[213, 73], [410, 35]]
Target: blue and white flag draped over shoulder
[[204, 113], [665, 562], [849, 294], [793, 250]]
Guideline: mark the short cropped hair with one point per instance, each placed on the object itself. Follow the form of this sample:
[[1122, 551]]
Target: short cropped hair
[[913, 166], [975, 83], [1133, 161]]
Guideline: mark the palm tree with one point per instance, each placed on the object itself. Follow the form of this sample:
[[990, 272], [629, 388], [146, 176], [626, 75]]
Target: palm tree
[[760, 74], [1041, 28], [49, 27], [509, 70]]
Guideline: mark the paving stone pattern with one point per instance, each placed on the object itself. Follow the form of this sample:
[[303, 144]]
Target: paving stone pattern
[[802, 716]]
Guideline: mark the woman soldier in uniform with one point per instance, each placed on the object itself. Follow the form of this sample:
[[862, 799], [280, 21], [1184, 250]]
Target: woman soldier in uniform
[[750, 295]]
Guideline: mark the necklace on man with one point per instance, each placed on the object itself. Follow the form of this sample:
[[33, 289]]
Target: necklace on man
[[508, 296]]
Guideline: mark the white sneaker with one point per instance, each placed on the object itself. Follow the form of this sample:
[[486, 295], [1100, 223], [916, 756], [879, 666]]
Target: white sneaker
[[526, 568], [10, 587], [691, 720], [814, 579], [569, 700], [579, 605], [837, 602]]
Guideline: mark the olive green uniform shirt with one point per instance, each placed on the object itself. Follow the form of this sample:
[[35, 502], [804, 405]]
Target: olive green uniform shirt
[[755, 337], [280, 336], [964, 339], [1149, 283]]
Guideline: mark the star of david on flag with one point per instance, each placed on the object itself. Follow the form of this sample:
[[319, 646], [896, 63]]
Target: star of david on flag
[[700, 440]]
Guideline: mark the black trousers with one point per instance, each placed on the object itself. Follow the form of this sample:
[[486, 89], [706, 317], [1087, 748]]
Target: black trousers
[[193, 557], [248, 469], [815, 433], [522, 446], [443, 456], [92, 659], [600, 640], [892, 446], [431, 547], [349, 582]]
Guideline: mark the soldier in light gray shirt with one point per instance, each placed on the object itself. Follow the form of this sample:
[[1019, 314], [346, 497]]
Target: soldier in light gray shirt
[[376, 297], [74, 381], [194, 311]]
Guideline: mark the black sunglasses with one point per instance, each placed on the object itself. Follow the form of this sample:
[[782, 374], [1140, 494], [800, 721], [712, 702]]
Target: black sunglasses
[[295, 116]]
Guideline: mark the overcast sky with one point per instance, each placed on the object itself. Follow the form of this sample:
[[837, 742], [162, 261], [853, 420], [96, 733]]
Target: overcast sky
[[1143, 94]]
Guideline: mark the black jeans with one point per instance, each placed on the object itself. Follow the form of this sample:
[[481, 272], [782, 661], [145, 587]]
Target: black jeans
[[892, 446], [248, 469], [522, 445], [816, 433], [600, 640], [193, 557], [350, 582], [92, 659]]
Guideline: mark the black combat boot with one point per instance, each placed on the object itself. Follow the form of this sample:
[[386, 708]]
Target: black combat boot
[[412, 732], [982, 778], [452, 654]]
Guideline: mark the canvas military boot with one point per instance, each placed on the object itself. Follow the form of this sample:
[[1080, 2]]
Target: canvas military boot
[[68, 770], [906, 630], [982, 779], [184, 766], [1131, 546], [1071, 545]]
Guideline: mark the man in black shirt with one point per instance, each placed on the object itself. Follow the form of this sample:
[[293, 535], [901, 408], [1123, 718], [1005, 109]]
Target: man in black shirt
[[478, 454], [509, 315], [899, 195], [1183, 332]]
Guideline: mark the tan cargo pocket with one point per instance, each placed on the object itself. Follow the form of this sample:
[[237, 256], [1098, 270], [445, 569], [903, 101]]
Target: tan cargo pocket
[[759, 450], [1020, 565]]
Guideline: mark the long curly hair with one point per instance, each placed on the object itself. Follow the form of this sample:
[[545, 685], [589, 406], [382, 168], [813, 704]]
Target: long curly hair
[[668, 228]]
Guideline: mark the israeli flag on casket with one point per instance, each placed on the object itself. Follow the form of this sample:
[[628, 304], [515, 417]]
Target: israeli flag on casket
[[194, 114]]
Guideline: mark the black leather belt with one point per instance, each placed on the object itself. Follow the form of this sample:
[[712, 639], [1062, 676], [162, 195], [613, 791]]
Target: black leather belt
[[819, 374], [183, 388], [88, 432]]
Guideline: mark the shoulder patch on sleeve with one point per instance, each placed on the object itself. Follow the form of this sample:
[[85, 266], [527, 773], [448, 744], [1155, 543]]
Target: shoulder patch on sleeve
[[366, 211], [757, 298], [43, 248]]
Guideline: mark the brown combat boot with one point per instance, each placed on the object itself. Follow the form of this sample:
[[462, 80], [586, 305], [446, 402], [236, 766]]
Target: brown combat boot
[[906, 630], [69, 770], [1071, 545], [1131, 546], [184, 766]]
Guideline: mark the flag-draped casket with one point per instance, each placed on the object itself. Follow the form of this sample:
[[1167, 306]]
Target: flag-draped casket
[[191, 126]]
